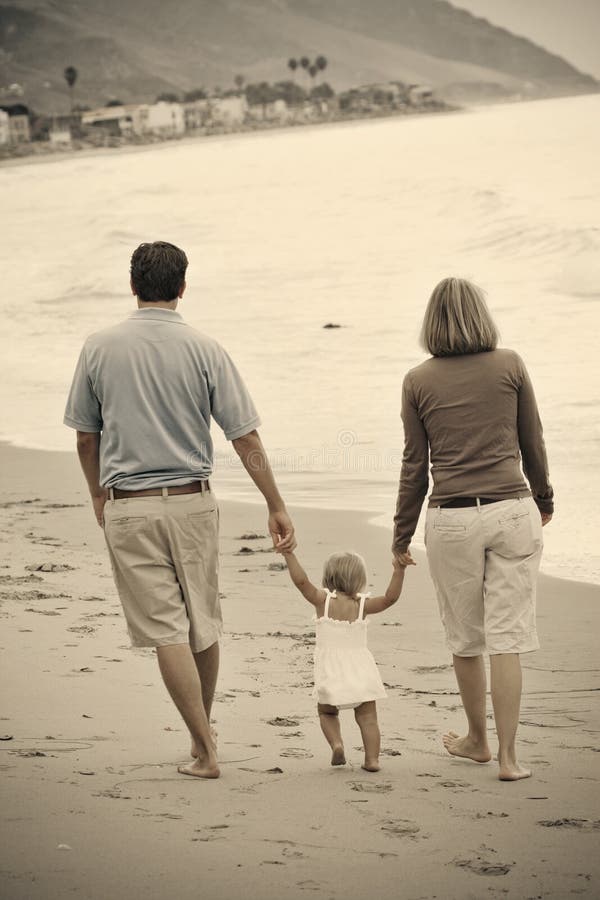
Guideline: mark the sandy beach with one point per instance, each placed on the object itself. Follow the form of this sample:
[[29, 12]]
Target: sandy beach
[[93, 807]]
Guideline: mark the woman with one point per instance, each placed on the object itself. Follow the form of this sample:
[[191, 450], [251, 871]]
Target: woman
[[471, 409]]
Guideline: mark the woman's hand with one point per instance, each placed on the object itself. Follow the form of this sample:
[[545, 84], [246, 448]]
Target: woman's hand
[[546, 517], [405, 559]]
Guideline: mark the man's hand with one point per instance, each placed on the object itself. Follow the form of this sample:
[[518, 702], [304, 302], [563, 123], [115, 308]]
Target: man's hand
[[98, 502], [282, 532], [405, 559], [546, 517]]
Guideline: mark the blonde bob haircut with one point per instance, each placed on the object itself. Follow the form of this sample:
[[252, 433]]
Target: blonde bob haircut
[[457, 320], [345, 572]]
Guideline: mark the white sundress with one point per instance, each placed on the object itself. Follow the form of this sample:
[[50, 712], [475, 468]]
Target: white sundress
[[346, 674]]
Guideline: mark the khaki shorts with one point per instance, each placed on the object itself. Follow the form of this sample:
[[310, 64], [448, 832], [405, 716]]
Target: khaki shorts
[[484, 562], [165, 559]]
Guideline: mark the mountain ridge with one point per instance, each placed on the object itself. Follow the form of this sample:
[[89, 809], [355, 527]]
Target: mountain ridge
[[137, 50]]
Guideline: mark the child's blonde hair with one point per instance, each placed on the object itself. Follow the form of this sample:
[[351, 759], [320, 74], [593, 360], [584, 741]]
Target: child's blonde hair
[[345, 572]]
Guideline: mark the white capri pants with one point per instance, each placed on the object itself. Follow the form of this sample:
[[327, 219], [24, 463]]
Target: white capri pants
[[484, 562]]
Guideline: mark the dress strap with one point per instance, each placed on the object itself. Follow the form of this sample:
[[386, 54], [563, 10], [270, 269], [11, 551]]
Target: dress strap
[[361, 609], [330, 594]]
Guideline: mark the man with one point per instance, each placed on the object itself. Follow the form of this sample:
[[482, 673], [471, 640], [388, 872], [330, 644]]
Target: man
[[142, 398]]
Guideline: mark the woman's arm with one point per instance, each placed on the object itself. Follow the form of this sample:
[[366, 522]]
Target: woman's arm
[[394, 589], [533, 449], [414, 477], [313, 594]]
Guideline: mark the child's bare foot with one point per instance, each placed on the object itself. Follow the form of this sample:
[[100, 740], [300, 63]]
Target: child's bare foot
[[512, 771], [371, 765], [466, 748], [205, 768], [338, 757]]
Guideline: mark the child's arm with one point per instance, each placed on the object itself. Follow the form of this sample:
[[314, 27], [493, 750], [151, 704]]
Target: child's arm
[[313, 594], [394, 589]]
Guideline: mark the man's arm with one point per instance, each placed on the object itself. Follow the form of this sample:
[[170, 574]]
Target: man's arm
[[88, 450], [250, 450]]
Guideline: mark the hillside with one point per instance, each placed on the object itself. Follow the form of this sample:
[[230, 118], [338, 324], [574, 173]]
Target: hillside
[[137, 49]]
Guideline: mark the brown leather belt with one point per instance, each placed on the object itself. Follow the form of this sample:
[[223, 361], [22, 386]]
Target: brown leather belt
[[195, 487], [461, 502]]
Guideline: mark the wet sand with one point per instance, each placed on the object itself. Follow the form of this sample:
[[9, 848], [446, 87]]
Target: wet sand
[[93, 807]]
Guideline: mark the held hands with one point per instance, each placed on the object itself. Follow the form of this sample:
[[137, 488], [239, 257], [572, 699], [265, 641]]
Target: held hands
[[281, 530], [404, 559], [546, 517]]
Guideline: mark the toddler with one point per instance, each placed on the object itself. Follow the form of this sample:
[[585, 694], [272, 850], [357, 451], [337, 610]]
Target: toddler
[[346, 675]]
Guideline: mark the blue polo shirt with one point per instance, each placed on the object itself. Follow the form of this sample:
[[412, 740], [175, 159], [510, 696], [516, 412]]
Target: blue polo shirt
[[150, 385]]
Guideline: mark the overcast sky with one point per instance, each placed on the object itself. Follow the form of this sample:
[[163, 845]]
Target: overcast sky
[[570, 28]]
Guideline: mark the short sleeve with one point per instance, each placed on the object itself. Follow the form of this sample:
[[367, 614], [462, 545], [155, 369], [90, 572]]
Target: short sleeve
[[83, 411], [231, 405]]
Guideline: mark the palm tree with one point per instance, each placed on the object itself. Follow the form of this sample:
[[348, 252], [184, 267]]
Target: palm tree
[[305, 62], [70, 74], [312, 71], [292, 65], [239, 82], [321, 63]]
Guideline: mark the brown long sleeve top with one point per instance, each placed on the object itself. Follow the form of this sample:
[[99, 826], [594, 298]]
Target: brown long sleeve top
[[476, 419]]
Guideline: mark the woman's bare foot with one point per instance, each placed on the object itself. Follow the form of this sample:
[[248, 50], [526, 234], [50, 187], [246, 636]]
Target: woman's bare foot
[[201, 769], [512, 771], [466, 748], [338, 757], [214, 735], [371, 765]]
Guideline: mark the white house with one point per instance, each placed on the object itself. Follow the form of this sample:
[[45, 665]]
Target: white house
[[228, 110], [164, 119], [4, 127]]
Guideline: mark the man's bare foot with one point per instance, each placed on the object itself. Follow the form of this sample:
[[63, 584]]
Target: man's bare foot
[[214, 735], [513, 772], [338, 757], [200, 769], [466, 748], [371, 765]]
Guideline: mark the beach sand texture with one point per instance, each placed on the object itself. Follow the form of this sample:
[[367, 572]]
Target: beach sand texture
[[93, 807]]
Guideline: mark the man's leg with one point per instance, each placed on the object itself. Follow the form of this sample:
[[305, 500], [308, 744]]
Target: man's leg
[[180, 675], [207, 664]]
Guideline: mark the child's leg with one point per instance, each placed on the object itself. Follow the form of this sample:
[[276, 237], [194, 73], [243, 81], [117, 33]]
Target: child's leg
[[366, 718], [330, 725]]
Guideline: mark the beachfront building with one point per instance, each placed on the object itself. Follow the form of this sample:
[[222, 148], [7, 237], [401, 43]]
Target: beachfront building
[[18, 123], [4, 128], [140, 119], [419, 94]]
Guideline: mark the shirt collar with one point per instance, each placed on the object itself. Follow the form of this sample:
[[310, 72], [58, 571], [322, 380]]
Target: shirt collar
[[160, 314]]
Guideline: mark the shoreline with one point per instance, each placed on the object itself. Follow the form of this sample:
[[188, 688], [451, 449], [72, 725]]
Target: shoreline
[[231, 493], [90, 740]]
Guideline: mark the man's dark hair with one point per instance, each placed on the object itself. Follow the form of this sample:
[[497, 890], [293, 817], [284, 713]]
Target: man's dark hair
[[158, 271]]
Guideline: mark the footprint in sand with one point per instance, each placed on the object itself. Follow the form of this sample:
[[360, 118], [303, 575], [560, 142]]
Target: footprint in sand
[[454, 784], [297, 753], [580, 824], [282, 722], [401, 828], [371, 787], [481, 867]]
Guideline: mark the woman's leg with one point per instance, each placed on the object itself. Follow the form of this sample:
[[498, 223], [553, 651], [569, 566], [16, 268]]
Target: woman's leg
[[330, 725], [366, 718], [470, 675], [506, 698]]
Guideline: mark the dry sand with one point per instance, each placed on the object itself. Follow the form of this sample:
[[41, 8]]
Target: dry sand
[[93, 807]]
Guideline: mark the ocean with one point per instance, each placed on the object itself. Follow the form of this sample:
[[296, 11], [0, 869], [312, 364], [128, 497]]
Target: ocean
[[350, 224]]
